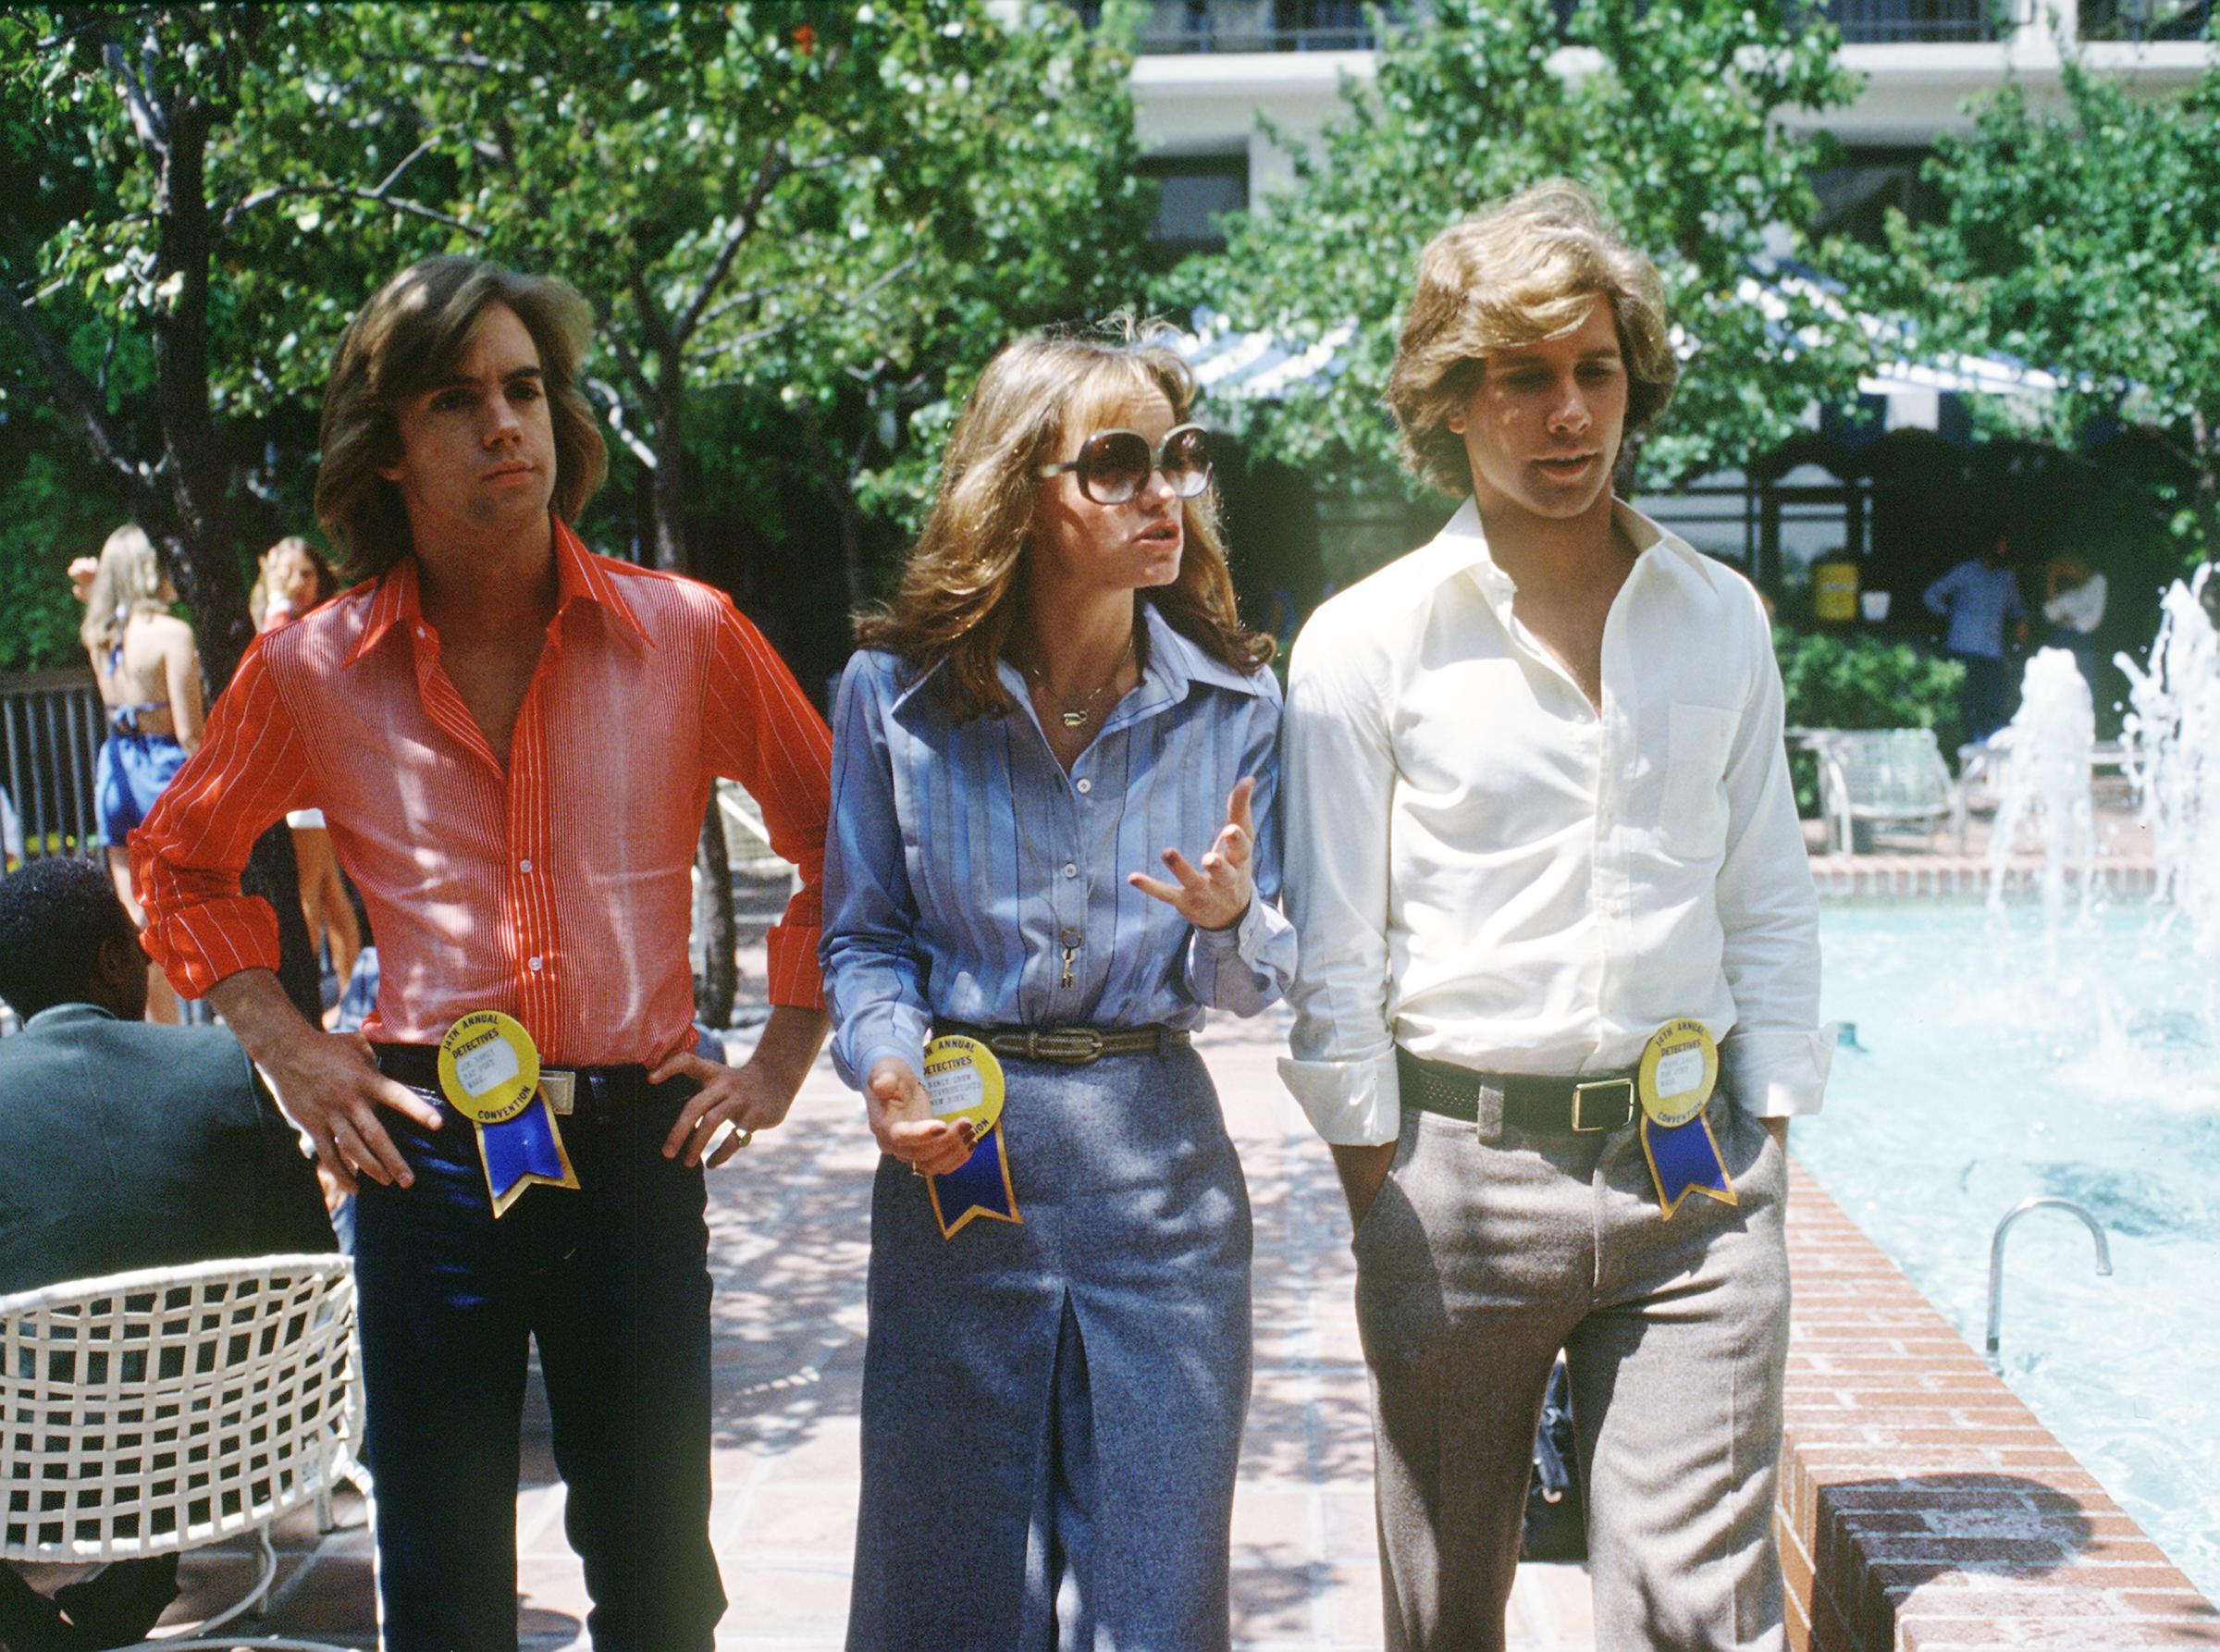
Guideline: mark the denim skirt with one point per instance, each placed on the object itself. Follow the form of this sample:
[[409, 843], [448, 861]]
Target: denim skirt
[[1054, 1407]]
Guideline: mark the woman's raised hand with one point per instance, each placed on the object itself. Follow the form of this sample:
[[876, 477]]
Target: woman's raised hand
[[1215, 896], [902, 1118]]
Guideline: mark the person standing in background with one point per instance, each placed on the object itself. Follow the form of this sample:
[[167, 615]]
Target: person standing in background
[[2073, 602], [292, 580], [148, 669], [1978, 598]]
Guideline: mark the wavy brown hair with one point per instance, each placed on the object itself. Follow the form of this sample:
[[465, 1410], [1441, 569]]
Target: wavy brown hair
[[1527, 269], [406, 339], [960, 587]]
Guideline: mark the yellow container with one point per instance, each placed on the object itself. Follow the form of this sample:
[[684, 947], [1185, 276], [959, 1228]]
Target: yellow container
[[1834, 591]]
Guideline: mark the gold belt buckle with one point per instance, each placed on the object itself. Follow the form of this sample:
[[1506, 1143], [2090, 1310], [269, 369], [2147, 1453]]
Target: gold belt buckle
[[1073, 1045], [1580, 1096], [559, 1087]]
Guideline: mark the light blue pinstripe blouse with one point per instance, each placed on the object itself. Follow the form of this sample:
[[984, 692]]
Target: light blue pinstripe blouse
[[961, 859]]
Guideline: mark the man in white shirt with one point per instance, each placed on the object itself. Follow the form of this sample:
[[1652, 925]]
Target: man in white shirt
[[1539, 818]]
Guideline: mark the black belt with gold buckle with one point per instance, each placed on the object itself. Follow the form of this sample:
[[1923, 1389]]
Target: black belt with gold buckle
[[1071, 1046], [1583, 1107]]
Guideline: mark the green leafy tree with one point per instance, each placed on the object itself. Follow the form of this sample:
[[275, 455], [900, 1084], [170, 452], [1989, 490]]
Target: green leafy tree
[[167, 276], [1668, 113], [2084, 240]]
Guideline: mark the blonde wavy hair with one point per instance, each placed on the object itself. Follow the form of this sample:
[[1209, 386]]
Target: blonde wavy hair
[[128, 584], [960, 587], [1527, 269], [405, 341]]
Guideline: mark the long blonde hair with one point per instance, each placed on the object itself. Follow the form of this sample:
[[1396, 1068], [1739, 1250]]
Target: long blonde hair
[[958, 597], [128, 584]]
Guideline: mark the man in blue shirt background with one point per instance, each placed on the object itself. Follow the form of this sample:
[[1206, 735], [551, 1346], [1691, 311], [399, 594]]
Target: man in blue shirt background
[[1978, 597]]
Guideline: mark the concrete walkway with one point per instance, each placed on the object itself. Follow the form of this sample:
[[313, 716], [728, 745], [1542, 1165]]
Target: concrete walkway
[[789, 1237]]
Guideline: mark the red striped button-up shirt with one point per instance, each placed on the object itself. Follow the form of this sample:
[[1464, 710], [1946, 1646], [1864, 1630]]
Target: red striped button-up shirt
[[559, 890]]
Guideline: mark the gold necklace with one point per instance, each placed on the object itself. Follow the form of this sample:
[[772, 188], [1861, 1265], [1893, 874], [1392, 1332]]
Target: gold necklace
[[1073, 717]]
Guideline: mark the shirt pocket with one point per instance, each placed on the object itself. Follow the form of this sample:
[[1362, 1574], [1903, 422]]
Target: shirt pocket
[[1693, 814]]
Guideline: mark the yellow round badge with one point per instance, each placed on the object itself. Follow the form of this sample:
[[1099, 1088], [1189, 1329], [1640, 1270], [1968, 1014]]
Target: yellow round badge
[[1679, 1071], [963, 1081], [488, 1067]]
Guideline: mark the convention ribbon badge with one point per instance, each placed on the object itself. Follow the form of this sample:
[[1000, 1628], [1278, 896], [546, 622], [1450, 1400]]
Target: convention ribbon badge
[[490, 1069], [964, 1081], [1679, 1071]]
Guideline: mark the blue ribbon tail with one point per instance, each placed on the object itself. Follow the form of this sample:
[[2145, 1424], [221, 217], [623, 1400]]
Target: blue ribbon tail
[[523, 1149], [1684, 1158], [978, 1187]]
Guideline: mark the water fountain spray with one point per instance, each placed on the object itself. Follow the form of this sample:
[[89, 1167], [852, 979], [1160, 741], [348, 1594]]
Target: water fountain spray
[[2171, 741], [2043, 797]]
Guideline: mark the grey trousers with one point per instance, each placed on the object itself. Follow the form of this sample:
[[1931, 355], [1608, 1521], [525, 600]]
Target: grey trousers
[[1489, 1248]]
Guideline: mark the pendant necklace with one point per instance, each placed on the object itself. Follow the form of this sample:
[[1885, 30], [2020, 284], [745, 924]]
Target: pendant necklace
[[1073, 717]]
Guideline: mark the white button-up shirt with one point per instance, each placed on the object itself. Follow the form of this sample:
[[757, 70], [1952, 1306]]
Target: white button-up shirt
[[1488, 870]]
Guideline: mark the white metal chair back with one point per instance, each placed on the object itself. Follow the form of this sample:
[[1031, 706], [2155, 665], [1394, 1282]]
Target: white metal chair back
[[1882, 777], [154, 1411]]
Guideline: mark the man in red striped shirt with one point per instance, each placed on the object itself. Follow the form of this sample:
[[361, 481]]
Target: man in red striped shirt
[[514, 742]]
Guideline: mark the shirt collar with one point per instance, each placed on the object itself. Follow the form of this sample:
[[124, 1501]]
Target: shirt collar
[[1462, 547], [396, 600], [1174, 665], [65, 1015]]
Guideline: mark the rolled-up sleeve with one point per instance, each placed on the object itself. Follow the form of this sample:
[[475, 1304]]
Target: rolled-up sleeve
[[186, 859], [762, 730], [1777, 1056], [1340, 773], [874, 969], [1248, 966]]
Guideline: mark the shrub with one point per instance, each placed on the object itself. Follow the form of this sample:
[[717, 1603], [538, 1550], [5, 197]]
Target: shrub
[[1838, 682]]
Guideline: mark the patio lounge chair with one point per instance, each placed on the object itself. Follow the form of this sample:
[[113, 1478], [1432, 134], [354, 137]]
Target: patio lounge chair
[[1879, 779], [157, 1411]]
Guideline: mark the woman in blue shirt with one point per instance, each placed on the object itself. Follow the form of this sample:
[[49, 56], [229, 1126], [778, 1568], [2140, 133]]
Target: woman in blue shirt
[[1060, 694]]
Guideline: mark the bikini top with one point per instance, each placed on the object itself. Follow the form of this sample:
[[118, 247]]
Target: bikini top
[[124, 719]]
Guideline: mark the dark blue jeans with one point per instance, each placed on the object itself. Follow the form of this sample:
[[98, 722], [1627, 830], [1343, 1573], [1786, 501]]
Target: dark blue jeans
[[613, 1280]]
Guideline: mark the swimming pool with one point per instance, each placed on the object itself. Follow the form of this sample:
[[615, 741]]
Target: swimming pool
[[1990, 1067]]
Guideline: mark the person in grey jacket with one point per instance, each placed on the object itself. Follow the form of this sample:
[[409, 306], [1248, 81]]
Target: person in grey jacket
[[123, 1144]]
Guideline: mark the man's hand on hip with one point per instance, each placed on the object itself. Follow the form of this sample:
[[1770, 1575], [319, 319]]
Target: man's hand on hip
[[328, 1082], [753, 1096], [1363, 1172]]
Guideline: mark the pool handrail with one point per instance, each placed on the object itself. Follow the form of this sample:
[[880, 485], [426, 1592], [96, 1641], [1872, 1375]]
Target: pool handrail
[[1996, 1260]]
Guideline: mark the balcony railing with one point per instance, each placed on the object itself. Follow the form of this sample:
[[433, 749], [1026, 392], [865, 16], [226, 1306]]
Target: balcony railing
[[1224, 26], [1903, 23]]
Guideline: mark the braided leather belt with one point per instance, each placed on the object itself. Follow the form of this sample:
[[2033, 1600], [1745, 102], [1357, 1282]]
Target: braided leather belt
[[1072, 1046], [1583, 1107]]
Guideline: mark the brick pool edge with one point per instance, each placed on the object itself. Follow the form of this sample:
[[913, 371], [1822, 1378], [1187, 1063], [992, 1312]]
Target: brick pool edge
[[1922, 1507]]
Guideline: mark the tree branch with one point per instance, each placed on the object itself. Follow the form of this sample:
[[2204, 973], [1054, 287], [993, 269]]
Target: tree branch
[[349, 192], [146, 120], [774, 167], [638, 449], [75, 395]]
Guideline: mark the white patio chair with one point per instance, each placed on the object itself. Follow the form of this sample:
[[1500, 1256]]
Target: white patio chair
[[1877, 779], [158, 1412]]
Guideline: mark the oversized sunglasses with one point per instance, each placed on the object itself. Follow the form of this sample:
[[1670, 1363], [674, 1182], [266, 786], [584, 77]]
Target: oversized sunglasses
[[1114, 465]]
